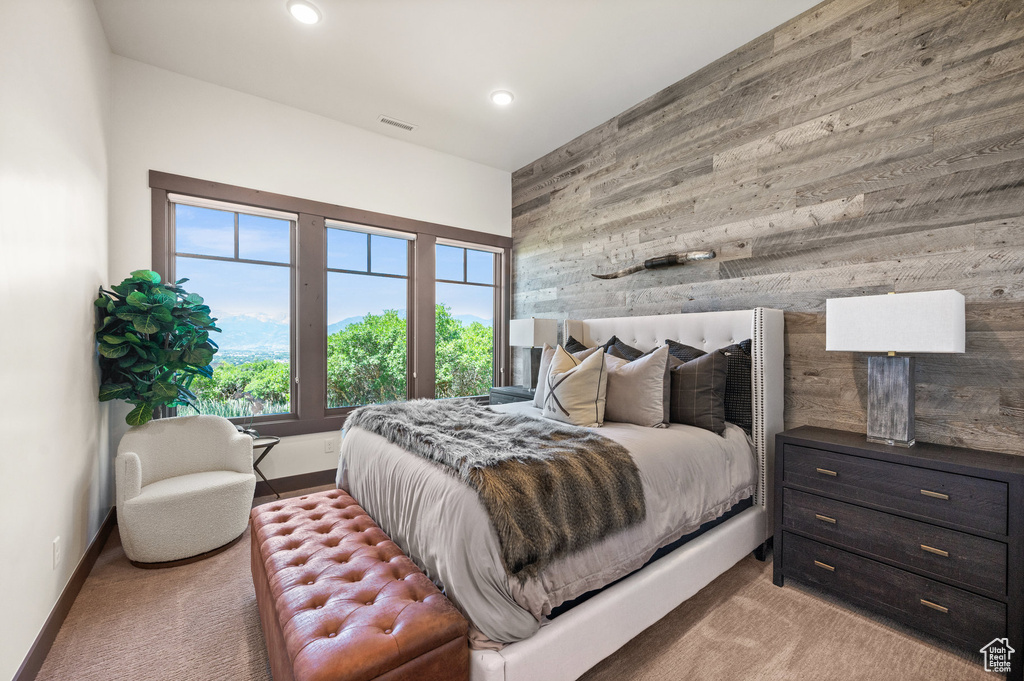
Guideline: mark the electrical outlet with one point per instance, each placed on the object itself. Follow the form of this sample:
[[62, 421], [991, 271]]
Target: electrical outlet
[[328, 446], [56, 552]]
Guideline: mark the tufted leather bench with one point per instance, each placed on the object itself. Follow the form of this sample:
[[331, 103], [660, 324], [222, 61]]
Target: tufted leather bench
[[339, 601]]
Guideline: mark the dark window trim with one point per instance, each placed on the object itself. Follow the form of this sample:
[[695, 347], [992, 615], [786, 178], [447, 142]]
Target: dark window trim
[[309, 332]]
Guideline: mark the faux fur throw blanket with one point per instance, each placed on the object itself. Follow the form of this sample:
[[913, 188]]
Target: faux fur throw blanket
[[550, 488]]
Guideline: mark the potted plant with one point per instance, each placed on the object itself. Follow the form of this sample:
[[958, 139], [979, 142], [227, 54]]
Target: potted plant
[[154, 339]]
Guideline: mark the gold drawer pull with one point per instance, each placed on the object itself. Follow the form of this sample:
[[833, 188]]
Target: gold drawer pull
[[933, 606], [824, 565], [825, 518], [937, 552], [934, 495], [825, 471]]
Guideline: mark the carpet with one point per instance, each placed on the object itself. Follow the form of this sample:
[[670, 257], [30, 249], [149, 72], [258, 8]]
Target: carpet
[[199, 622]]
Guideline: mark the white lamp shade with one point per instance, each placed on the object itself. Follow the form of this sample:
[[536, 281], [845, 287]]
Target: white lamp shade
[[929, 321], [532, 333]]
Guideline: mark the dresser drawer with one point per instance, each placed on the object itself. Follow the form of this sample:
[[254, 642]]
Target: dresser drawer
[[944, 611], [960, 500], [939, 552]]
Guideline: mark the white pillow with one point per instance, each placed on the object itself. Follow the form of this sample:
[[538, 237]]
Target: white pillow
[[636, 390], [542, 375], [575, 390]]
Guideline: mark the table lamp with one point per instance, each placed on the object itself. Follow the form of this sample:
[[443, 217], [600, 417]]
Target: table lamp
[[532, 333], [917, 323]]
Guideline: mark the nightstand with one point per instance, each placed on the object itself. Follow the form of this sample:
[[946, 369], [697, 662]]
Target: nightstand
[[510, 393], [931, 536]]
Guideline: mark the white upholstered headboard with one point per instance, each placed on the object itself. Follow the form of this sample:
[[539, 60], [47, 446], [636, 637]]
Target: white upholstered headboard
[[710, 331]]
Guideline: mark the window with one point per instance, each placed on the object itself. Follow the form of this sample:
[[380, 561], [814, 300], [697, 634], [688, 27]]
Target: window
[[326, 308], [367, 315], [241, 263], [466, 297]]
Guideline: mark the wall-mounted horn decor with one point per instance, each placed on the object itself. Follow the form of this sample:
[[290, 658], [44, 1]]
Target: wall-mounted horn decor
[[663, 261]]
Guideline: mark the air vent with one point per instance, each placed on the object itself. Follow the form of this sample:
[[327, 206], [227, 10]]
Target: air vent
[[394, 122]]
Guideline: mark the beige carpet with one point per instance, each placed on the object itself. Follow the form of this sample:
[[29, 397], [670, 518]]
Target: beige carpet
[[199, 622]]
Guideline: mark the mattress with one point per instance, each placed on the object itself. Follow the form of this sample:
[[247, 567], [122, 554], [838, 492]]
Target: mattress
[[690, 476]]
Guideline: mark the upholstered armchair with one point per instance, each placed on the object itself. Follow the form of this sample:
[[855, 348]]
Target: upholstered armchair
[[184, 488]]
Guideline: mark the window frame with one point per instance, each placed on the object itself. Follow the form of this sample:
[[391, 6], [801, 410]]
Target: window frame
[[309, 290]]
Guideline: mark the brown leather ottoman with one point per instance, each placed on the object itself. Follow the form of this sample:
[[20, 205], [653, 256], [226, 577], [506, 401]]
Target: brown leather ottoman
[[339, 601]]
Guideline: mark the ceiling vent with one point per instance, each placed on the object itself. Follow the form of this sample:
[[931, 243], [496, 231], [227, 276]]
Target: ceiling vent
[[394, 122]]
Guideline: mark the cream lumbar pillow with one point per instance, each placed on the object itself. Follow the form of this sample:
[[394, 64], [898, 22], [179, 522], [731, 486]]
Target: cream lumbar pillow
[[575, 389], [636, 390]]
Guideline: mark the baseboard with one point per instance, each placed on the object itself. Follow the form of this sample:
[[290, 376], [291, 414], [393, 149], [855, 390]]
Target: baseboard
[[41, 647], [291, 483]]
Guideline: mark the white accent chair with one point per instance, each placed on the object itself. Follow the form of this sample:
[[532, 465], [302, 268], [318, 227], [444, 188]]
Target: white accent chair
[[184, 488]]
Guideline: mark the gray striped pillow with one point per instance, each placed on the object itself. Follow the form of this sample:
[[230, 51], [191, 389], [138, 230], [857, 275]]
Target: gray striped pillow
[[698, 391]]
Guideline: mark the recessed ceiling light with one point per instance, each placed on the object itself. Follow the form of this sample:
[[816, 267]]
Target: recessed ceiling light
[[304, 11], [502, 97]]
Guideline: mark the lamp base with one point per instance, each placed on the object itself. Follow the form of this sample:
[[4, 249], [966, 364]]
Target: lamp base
[[531, 366], [891, 401]]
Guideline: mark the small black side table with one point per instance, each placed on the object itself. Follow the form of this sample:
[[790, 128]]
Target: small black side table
[[510, 393], [266, 443]]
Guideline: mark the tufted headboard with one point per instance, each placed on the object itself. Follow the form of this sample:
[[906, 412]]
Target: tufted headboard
[[710, 331]]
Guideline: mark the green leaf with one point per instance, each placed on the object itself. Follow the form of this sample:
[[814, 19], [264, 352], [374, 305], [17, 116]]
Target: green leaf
[[111, 306], [127, 361], [138, 299], [139, 415], [113, 340], [163, 297], [143, 367], [162, 314], [194, 299], [180, 281], [147, 275], [114, 391], [114, 351], [100, 302], [145, 324], [197, 356], [165, 389]]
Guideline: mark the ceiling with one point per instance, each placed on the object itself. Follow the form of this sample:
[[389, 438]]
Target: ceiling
[[572, 64]]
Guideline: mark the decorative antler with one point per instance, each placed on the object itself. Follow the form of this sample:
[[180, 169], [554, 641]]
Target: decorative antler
[[663, 261]]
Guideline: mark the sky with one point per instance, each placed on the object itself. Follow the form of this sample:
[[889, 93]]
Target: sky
[[232, 288]]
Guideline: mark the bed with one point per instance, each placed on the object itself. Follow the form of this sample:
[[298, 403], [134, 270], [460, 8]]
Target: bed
[[439, 525]]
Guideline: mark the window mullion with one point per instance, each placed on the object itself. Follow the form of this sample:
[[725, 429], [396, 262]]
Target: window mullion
[[424, 337], [309, 324]]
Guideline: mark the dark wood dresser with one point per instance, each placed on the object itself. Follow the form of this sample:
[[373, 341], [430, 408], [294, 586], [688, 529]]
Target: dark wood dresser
[[510, 393], [931, 536]]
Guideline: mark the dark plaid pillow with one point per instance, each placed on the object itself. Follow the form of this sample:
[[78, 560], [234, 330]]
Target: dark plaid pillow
[[739, 402], [683, 352], [698, 391], [572, 345], [627, 351]]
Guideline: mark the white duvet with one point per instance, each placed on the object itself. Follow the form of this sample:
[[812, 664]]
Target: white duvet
[[690, 476]]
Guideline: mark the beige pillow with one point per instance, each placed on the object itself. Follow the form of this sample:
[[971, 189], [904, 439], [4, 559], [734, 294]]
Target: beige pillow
[[542, 374], [575, 390], [636, 390]]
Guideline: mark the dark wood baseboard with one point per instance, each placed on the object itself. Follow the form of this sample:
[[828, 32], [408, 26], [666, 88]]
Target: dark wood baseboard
[[41, 647], [291, 483]]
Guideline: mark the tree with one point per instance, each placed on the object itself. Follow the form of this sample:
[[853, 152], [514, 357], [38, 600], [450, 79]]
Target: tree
[[366, 361]]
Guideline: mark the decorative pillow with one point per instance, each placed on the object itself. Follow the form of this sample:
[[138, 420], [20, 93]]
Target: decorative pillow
[[698, 391], [683, 352], [614, 352], [576, 389], [739, 401], [545, 363], [627, 351], [636, 389], [573, 345]]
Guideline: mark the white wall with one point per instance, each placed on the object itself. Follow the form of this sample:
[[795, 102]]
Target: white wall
[[172, 123], [54, 468]]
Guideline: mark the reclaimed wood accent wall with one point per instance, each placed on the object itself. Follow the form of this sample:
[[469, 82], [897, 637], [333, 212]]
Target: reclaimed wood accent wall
[[866, 146]]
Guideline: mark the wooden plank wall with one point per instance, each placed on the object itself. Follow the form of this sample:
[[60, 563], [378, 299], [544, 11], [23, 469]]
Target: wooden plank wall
[[865, 146]]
